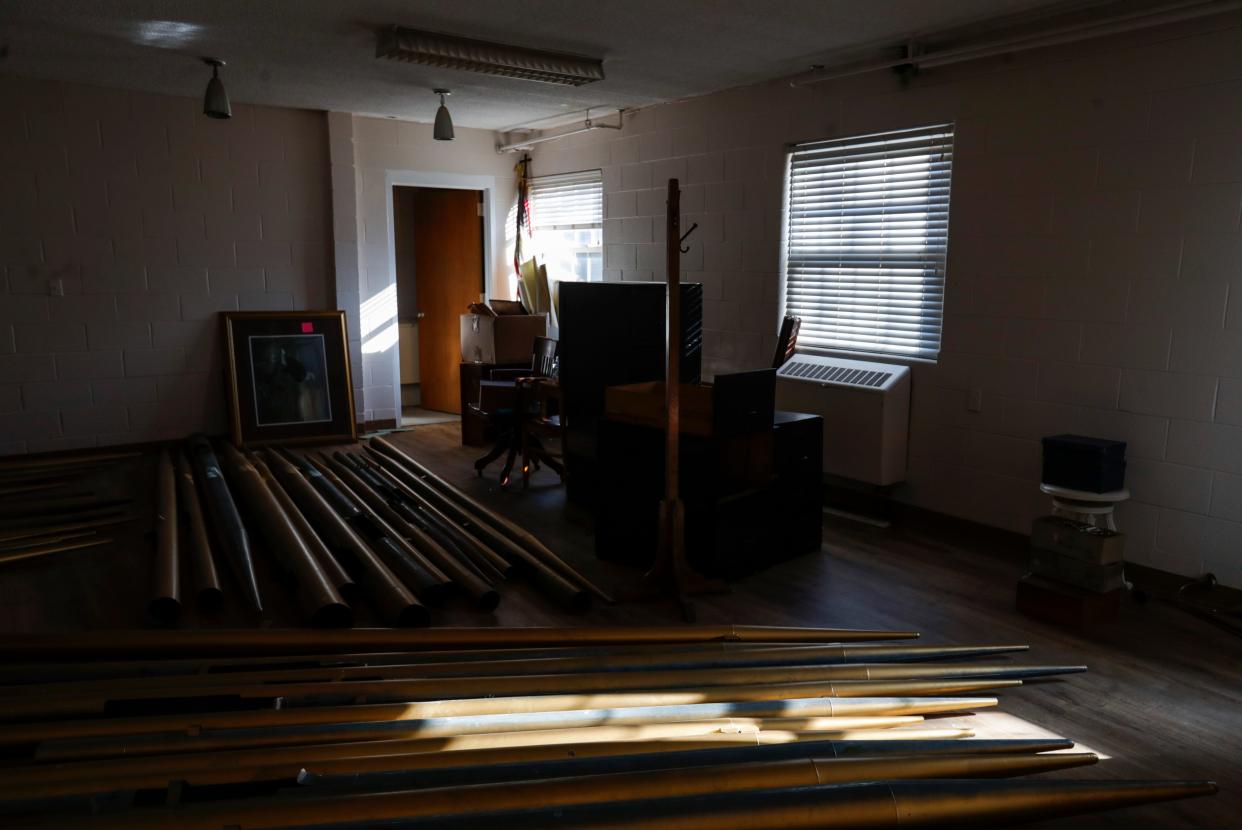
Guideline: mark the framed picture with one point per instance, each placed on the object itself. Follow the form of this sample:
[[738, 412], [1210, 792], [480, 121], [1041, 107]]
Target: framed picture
[[288, 376]]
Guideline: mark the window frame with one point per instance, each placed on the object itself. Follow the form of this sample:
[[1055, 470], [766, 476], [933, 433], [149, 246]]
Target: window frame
[[860, 353], [595, 175]]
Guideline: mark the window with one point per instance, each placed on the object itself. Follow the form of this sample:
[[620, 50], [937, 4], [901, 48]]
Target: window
[[866, 235], [567, 224]]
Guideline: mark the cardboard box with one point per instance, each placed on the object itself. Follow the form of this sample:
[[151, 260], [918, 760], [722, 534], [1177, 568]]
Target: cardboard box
[[505, 339], [1053, 602], [1095, 545], [1100, 579]]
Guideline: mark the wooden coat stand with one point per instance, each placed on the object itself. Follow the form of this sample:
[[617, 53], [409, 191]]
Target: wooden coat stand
[[671, 570]]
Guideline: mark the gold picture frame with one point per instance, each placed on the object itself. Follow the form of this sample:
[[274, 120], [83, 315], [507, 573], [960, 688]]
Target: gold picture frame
[[289, 378]]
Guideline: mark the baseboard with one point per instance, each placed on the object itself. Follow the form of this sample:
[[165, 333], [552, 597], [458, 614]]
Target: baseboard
[[1166, 584], [878, 508], [1156, 582]]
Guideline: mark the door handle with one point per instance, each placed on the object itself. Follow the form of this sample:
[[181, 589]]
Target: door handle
[[420, 315]]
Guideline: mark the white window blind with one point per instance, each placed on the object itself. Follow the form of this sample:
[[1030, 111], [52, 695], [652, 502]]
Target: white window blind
[[867, 234], [567, 224], [572, 201]]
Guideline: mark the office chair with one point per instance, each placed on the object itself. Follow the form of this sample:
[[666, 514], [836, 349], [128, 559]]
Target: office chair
[[508, 401]]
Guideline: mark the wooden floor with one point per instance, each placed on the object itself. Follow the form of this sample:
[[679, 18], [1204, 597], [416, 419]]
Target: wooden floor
[[1163, 698]]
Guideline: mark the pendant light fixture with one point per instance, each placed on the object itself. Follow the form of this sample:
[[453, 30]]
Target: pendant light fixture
[[444, 122], [216, 100]]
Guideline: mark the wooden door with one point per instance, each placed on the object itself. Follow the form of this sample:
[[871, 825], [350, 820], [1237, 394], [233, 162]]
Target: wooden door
[[448, 274]]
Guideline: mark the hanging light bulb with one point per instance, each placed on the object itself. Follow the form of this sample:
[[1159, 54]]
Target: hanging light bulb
[[444, 122], [216, 100]]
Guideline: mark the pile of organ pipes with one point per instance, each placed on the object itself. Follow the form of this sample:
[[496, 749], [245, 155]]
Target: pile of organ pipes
[[345, 528], [47, 505], [686, 727]]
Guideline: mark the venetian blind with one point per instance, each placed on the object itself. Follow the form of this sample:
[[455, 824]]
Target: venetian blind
[[867, 233], [570, 201]]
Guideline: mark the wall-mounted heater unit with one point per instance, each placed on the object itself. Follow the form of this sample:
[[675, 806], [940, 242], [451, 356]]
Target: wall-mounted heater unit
[[866, 412]]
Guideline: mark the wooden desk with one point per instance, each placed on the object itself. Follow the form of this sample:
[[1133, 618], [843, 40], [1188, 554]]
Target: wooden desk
[[751, 500]]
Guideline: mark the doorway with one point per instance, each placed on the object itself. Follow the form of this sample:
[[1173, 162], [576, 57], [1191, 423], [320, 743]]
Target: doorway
[[439, 257]]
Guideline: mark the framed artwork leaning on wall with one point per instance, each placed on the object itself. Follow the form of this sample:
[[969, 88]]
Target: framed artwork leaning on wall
[[288, 377]]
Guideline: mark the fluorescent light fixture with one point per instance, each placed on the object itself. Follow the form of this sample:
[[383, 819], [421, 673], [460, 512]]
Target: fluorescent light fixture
[[452, 52]]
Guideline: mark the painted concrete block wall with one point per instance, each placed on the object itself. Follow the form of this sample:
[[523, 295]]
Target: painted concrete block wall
[[367, 155], [149, 218], [1094, 276]]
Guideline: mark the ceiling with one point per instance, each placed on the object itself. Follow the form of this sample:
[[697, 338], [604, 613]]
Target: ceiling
[[320, 54]]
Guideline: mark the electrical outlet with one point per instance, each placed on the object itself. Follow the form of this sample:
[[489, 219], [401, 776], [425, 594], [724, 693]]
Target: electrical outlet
[[56, 287], [974, 402]]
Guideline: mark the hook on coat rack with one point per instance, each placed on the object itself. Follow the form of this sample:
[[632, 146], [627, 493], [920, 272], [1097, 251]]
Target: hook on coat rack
[[684, 236]]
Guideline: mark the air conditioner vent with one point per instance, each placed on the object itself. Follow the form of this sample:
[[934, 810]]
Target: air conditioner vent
[[835, 373], [865, 407]]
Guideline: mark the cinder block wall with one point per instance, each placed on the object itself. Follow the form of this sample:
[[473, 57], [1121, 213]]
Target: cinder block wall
[[1095, 264], [149, 218]]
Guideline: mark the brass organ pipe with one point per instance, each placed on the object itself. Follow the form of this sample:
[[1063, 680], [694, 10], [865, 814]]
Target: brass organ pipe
[[31, 553], [134, 746], [516, 532], [341, 503], [39, 522], [41, 541], [203, 567], [395, 602], [562, 589], [861, 806], [60, 528], [809, 772], [287, 641], [465, 578], [413, 690], [450, 509], [483, 764], [419, 573], [390, 520], [496, 766], [222, 509], [173, 766], [25, 673], [165, 604], [548, 581], [332, 569], [198, 768], [322, 601], [397, 713], [373, 506], [767, 667], [481, 549], [289, 771]]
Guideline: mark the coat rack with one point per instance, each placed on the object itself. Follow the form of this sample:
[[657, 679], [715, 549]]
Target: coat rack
[[671, 570]]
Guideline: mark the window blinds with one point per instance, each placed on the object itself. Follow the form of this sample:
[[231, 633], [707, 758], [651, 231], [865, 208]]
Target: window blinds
[[867, 232], [570, 201]]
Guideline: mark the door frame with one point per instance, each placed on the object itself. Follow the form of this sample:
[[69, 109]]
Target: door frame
[[443, 181]]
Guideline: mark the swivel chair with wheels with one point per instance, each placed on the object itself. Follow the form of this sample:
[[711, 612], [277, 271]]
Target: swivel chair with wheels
[[509, 400]]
